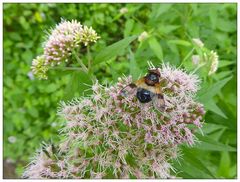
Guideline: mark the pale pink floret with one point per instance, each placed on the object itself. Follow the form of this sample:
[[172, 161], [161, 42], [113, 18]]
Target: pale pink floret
[[184, 82]]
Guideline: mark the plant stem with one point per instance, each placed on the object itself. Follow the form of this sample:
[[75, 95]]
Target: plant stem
[[80, 62], [186, 57], [89, 58], [199, 66], [66, 68]]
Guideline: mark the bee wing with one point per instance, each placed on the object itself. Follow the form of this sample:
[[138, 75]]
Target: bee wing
[[128, 90], [158, 102]]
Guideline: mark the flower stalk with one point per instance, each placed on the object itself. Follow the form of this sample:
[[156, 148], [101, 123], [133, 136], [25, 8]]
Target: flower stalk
[[61, 45], [84, 68]]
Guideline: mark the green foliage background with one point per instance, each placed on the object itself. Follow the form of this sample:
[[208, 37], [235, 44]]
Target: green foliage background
[[30, 105]]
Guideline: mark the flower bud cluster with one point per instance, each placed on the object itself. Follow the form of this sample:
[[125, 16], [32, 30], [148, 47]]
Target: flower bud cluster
[[209, 58], [60, 44], [213, 57], [39, 67], [66, 36]]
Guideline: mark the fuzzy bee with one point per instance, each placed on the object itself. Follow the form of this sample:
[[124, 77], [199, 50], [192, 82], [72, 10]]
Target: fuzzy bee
[[147, 89]]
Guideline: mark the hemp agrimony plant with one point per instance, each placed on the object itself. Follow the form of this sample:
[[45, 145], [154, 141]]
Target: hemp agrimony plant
[[108, 136], [62, 46]]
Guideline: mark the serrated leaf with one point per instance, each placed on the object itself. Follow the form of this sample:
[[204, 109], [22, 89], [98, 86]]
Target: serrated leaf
[[211, 106], [207, 143], [113, 50], [213, 90], [156, 47]]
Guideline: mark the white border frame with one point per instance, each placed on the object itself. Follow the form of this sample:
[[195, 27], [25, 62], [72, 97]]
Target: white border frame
[[116, 1]]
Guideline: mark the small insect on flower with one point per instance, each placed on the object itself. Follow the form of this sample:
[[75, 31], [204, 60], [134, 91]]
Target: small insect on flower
[[147, 88]]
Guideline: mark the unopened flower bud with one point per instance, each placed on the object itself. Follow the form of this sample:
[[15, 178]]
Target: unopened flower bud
[[123, 10], [198, 42], [144, 35]]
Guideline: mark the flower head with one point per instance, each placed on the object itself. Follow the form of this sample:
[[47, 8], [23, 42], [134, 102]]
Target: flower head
[[39, 67], [61, 41], [108, 131], [87, 35], [65, 37], [213, 58]]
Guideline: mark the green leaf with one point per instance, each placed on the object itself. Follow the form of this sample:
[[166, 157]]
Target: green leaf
[[207, 143], [113, 71], [213, 15], [227, 26], [190, 158], [128, 27], [78, 84], [217, 134], [211, 105], [159, 9], [51, 88], [213, 90], [210, 127], [38, 17], [225, 63], [166, 29], [135, 71], [192, 167], [180, 42], [156, 47], [24, 23], [223, 74], [14, 36], [233, 171], [224, 166], [113, 50], [33, 112]]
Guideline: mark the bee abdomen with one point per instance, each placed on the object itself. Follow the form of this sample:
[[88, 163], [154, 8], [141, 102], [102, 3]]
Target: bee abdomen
[[144, 95]]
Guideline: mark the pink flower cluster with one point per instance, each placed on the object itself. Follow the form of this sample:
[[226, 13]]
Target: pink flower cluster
[[61, 41], [65, 37], [181, 110], [110, 136]]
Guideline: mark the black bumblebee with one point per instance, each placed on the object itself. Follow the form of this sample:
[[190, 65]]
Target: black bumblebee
[[147, 89]]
